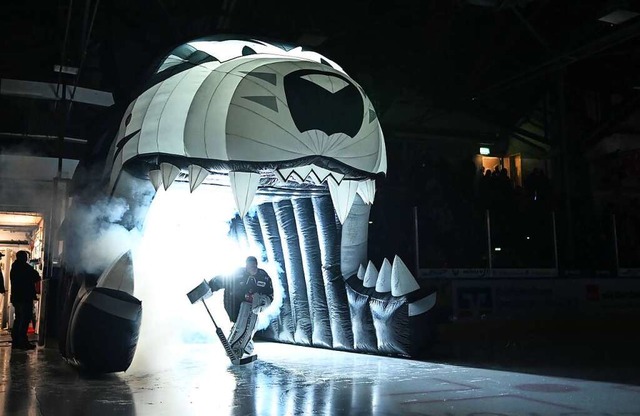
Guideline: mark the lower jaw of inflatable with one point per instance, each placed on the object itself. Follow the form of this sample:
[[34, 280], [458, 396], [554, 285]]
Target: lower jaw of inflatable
[[324, 303], [104, 331]]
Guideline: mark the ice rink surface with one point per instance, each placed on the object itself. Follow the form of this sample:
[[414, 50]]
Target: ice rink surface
[[293, 380]]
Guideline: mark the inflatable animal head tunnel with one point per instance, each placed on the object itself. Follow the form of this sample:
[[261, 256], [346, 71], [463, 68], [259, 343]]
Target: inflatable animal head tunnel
[[294, 145]]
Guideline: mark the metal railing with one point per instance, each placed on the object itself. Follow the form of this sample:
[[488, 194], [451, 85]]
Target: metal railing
[[503, 240]]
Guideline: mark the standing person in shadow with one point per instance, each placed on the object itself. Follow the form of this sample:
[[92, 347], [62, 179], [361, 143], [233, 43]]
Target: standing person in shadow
[[2, 289], [23, 291]]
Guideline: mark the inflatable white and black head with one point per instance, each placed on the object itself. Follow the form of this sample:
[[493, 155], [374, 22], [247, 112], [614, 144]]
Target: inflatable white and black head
[[300, 146], [253, 115]]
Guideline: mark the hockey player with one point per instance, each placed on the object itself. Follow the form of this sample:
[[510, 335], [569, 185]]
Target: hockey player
[[247, 292]]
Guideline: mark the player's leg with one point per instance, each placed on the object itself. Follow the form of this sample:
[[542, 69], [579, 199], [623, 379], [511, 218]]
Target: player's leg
[[242, 330]]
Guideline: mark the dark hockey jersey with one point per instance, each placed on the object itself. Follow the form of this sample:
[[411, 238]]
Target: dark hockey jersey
[[239, 287]]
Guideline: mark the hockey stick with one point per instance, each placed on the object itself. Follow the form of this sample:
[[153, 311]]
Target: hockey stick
[[200, 293]]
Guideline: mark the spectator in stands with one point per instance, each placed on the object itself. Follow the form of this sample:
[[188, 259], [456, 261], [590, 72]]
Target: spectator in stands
[[537, 186]]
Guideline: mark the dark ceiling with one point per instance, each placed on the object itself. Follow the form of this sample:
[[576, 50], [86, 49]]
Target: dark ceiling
[[445, 68]]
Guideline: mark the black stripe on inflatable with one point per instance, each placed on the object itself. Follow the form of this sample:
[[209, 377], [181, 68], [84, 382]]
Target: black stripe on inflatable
[[273, 248], [238, 232], [295, 272], [102, 341], [253, 233], [364, 333], [391, 320], [329, 238], [310, 249]]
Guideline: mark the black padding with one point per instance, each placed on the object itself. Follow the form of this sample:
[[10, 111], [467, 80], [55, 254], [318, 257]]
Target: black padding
[[329, 239], [310, 251], [364, 333], [295, 272], [103, 341], [238, 232], [273, 247], [391, 320], [253, 231]]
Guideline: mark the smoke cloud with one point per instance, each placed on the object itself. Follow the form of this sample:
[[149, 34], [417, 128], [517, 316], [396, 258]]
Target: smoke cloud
[[96, 236], [185, 241]]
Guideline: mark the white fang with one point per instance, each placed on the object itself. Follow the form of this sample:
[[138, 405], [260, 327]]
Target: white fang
[[367, 191], [370, 275], [169, 174], [302, 172], [343, 195], [319, 174], [402, 281], [284, 174], [197, 175], [244, 186], [155, 176], [383, 285], [361, 271]]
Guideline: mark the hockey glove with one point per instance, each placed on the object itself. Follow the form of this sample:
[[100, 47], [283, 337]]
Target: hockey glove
[[260, 302]]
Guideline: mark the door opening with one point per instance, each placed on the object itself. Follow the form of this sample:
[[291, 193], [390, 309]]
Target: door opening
[[20, 231]]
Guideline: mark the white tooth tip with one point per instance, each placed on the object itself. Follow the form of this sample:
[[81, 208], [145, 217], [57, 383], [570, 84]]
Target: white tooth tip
[[361, 272], [342, 196], [423, 305], [370, 275], [320, 174], [383, 285], [244, 186], [169, 174], [279, 175], [155, 176], [338, 177], [402, 281], [197, 175], [284, 174], [303, 172], [367, 191], [314, 178]]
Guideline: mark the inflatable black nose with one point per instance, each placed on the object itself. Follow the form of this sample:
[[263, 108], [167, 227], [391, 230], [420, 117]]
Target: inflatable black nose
[[323, 101]]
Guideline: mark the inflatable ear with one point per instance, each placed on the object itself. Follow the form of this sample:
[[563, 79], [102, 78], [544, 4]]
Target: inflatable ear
[[105, 321]]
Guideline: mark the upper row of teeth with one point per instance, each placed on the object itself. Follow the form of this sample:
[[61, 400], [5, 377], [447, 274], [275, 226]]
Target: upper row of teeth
[[245, 184]]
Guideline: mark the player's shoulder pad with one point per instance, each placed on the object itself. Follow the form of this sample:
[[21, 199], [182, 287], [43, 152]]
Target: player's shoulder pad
[[263, 274]]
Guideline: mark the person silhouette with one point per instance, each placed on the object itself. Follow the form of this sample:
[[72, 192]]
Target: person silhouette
[[23, 292], [247, 292]]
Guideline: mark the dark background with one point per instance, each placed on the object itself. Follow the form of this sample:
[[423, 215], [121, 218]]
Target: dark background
[[553, 82], [545, 79]]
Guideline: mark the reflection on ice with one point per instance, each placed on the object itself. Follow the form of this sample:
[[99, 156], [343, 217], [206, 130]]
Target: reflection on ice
[[293, 380]]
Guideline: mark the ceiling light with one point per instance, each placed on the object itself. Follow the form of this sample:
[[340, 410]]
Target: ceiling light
[[618, 16], [485, 151], [18, 219], [71, 70]]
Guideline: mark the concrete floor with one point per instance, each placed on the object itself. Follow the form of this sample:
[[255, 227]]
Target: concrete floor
[[196, 379]]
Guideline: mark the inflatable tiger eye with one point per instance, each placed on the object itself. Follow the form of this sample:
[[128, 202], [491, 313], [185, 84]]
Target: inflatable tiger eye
[[299, 145]]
